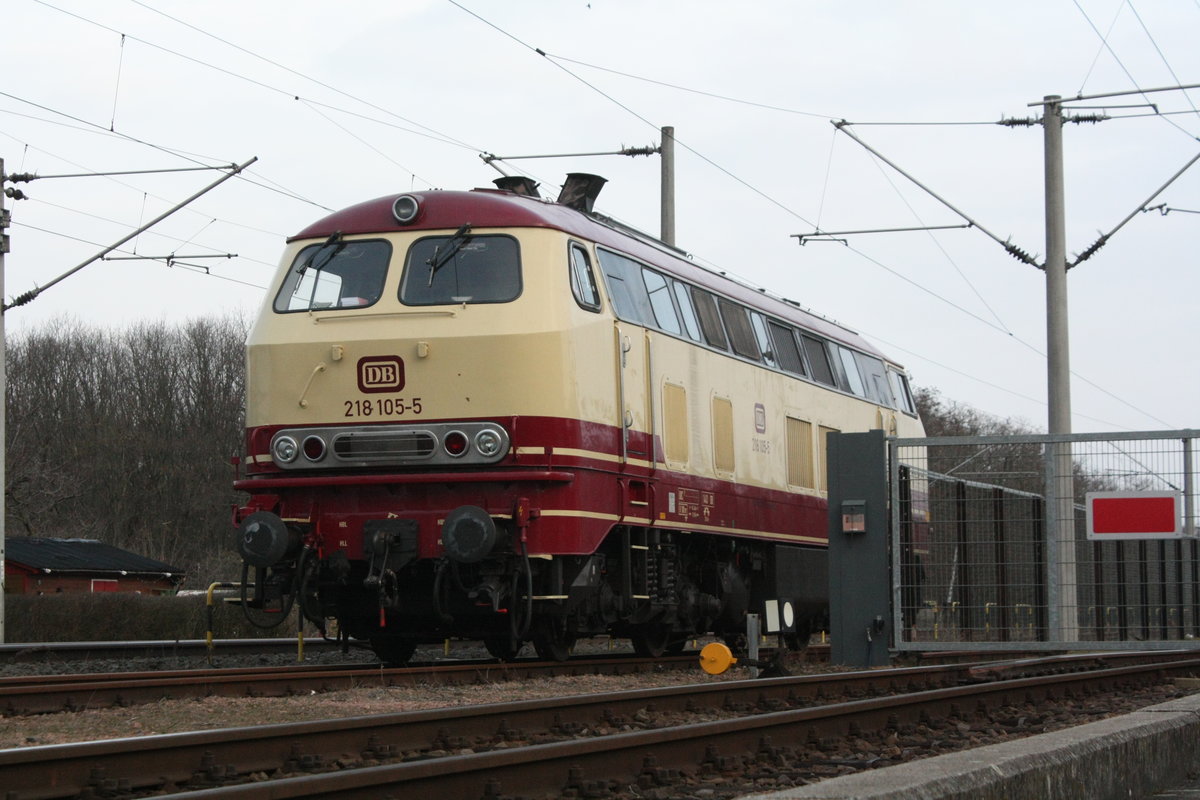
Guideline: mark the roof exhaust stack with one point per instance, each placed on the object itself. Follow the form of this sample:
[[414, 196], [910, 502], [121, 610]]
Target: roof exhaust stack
[[580, 190], [518, 184]]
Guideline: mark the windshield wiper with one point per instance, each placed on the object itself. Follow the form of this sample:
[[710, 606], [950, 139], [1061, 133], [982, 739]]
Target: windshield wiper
[[455, 243], [336, 238], [333, 245]]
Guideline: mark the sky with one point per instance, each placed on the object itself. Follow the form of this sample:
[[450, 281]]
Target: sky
[[343, 102]]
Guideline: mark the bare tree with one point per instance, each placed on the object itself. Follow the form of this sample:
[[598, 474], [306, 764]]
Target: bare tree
[[127, 436]]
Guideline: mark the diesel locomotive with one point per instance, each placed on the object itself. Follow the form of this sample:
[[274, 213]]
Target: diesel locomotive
[[496, 416]]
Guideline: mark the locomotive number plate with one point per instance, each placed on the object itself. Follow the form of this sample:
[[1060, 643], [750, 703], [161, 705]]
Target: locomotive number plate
[[382, 407]]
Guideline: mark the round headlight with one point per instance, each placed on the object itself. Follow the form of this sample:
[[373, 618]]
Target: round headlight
[[456, 443], [405, 209], [285, 449], [314, 448], [488, 442]]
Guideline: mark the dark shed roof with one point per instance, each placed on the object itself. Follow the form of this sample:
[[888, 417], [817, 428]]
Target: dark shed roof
[[81, 555]]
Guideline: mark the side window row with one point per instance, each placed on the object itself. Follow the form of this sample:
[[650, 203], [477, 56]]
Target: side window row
[[646, 297]]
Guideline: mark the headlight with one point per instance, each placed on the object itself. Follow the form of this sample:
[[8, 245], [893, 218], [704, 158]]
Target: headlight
[[285, 449], [314, 448], [405, 209], [488, 443]]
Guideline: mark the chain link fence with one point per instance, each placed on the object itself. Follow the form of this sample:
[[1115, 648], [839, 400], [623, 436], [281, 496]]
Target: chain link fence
[[991, 544]]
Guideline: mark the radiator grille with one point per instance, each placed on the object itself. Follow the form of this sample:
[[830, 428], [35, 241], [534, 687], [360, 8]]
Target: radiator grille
[[385, 445]]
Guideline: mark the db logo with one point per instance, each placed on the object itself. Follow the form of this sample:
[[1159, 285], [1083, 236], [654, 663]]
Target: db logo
[[380, 374]]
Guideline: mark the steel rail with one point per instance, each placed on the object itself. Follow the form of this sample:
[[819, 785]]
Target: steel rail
[[151, 648], [45, 694], [62, 771]]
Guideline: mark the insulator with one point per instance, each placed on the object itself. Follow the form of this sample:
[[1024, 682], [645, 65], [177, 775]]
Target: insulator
[[22, 299], [1019, 254]]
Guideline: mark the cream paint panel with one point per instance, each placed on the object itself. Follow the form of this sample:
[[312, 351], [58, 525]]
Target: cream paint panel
[[515, 358], [760, 457]]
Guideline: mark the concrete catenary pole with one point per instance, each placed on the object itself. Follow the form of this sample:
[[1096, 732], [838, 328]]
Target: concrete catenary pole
[[1059, 376], [1059, 484], [668, 185]]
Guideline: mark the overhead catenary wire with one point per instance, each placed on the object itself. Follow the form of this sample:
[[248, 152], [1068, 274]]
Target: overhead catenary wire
[[892, 345], [273, 234], [1158, 50], [1014, 251], [1009, 247], [340, 110], [26, 177], [361, 140], [938, 244], [1128, 74], [177, 262], [34, 293], [821, 235], [1100, 242], [431, 132], [1165, 209], [701, 92], [243, 77], [175, 152], [112, 124]]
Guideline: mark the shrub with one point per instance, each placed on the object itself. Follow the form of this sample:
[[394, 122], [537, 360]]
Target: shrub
[[123, 616]]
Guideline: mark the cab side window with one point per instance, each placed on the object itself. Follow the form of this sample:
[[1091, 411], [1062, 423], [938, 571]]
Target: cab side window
[[583, 280], [660, 301], [626, 290]]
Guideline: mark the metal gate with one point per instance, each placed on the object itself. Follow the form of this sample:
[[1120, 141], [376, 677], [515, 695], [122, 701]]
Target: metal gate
[[998, 542]]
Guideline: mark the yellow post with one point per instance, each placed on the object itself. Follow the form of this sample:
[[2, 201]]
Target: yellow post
[[299, 634], [208, 634]]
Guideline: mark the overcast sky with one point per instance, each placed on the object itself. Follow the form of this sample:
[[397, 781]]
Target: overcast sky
[[342, 102]]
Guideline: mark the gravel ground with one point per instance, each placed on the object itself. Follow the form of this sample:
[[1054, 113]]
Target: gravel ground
[[228, 657], [789, 767], [171, 716]]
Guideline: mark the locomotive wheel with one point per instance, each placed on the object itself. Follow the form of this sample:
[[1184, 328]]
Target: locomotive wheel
[[552, 642], [504, 648], [392, 650], [650, 641]]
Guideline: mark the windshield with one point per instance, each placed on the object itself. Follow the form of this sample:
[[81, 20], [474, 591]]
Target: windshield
[[335, 274], [441, 270]]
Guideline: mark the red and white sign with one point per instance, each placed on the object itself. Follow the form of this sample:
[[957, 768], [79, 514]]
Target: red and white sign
[[1133, 515]]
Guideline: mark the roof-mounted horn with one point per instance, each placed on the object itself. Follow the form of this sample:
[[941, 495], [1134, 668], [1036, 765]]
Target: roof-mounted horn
[[518, 184], [580, 190]]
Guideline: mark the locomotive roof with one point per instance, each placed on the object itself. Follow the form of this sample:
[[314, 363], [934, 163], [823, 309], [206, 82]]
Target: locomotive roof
[[494, 208]]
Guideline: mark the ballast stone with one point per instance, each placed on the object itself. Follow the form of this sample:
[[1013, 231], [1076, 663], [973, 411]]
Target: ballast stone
[[1133, 755]]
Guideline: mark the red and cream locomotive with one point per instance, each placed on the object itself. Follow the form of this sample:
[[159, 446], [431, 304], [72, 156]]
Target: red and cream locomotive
[[488, 415]]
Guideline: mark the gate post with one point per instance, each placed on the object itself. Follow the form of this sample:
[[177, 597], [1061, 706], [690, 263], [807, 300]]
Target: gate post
[[860, 585]]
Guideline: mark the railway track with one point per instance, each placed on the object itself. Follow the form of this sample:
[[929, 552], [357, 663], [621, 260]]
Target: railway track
[[36, 694], [155, 648], [584, 744]]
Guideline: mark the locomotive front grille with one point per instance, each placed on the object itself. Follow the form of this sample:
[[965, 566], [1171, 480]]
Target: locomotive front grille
[[432, 444], [386, 446]]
